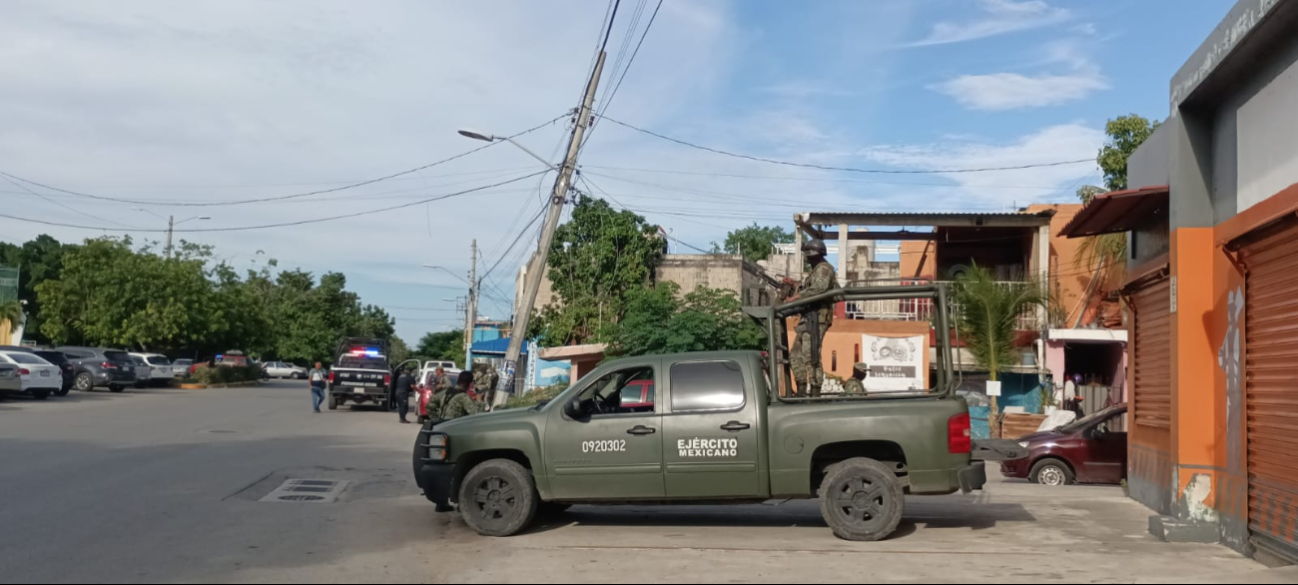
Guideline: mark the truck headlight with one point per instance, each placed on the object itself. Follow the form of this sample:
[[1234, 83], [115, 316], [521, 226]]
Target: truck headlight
[[437, 454], [437, 440]]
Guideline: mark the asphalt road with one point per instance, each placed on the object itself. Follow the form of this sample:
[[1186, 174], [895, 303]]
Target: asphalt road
[[163, 485]]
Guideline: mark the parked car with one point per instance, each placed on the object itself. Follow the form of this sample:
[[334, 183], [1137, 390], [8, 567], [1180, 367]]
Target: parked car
[[1092, 449], [143, 373], [97, 367], [285, 370], [38, 377], [638, 396], [9, 379], [180, 368], [232, 358], [65, 367], [53, 357], [160, 370]]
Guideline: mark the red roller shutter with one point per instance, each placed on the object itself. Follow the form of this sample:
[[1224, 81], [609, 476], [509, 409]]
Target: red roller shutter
[[1271, 403]]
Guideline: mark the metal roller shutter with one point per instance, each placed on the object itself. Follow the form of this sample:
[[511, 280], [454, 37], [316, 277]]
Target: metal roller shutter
[[1271, 403], [1152, 404]]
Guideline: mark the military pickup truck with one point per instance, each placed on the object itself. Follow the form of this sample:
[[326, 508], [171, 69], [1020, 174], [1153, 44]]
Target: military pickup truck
[[718, 427]]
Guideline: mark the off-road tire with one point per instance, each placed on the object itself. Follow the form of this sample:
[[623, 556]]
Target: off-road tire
[[1052, 472], [498, 498], [861, 500]]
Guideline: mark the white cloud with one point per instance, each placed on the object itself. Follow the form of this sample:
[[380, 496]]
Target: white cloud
[[1008, 91], [1000, 17], [1065, 142]]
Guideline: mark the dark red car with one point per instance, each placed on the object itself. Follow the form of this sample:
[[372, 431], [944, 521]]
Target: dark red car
[[1092, 449], [638, 395]]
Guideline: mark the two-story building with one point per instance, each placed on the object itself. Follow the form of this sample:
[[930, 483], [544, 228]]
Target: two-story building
[[1212, 222]]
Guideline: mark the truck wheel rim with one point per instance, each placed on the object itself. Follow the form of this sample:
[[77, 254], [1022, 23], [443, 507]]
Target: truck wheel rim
[[863, 503], [1052, 475], [495, 499]]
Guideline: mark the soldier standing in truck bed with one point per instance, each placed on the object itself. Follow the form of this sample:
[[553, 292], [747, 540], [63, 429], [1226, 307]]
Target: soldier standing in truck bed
[[814, 322]]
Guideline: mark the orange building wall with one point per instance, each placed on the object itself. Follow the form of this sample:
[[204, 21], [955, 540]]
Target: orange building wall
[[918, 259]]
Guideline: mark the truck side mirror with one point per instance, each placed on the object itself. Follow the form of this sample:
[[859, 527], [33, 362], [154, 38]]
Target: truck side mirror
[[572, 409]]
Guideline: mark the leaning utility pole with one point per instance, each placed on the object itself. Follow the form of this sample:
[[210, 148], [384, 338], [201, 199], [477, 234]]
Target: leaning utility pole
[[518, 335], [471, 313]]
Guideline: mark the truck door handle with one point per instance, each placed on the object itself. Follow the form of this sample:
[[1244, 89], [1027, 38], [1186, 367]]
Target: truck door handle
[[735, 426], [641, 430]]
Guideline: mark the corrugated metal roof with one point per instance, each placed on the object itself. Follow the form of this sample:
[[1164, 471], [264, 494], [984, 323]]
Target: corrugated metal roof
[[927, 218], [1117, 211]]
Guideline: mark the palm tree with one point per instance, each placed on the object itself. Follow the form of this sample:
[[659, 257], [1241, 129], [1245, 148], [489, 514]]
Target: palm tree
[[11, 312], [988, 312]]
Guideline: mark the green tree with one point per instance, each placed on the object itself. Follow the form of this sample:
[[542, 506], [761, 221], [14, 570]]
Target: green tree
[[597, 258], [37, 260], [754, 242], [442, 346], [1126, 134], [658, 321], [988, 312]]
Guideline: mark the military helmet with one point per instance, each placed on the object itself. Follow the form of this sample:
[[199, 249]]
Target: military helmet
[[814, 247], [861, 367]]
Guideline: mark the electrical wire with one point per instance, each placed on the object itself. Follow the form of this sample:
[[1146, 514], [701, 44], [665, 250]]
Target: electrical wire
[[609, 98], [844, 169], [283, 197], [521, 233], [280, 225], [817, 179], [52, 201]]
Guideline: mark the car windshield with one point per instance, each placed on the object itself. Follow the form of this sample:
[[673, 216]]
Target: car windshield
[[117, 356], [157, 360], [1091, 418], [53, 357], [182, 362], [26, 358]]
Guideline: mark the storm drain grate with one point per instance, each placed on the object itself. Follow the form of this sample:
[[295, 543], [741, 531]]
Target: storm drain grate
[[315, 491]]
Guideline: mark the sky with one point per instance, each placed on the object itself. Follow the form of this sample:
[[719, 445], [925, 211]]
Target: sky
[[219, 102]]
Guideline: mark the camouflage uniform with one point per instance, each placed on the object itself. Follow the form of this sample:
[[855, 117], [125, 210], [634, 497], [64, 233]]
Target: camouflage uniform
[[485, 377], [854, 385], [459, 405], [807, 369], [442, 383]]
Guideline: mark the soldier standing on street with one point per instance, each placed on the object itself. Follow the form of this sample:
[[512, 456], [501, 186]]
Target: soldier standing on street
[[855, 384], [814, 322], [456, 402]]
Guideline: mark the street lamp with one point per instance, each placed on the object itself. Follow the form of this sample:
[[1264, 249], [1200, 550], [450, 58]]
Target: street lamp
[[492, 138], [448, 271]]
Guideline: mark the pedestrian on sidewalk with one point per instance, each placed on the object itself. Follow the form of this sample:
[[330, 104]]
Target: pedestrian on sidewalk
[[405, 385], [317, 377]]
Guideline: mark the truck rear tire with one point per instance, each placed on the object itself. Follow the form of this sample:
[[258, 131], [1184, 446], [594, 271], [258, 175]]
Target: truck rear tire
[[333, 402], [861, 500], [498, 498]]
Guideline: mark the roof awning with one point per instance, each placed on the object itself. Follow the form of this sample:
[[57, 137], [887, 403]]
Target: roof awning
[[1117, 211]]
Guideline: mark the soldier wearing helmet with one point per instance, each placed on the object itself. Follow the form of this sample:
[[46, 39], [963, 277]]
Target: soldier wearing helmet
[[814, 322]]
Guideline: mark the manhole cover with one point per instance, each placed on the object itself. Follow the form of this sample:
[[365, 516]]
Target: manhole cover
[[318, 491]]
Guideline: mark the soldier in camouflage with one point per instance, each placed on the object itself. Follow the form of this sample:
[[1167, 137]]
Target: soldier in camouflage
[[814, 323], [456, 402], [855, 384]]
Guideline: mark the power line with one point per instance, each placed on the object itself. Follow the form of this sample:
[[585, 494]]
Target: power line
[[609, 99], [609, 31], [844, 169], [52, 201], [521, 233], [282, 197], [819, 179], [280, 225]]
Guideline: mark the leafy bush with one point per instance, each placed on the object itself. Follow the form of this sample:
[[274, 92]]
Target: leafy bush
[[227, 374], [536, 396]]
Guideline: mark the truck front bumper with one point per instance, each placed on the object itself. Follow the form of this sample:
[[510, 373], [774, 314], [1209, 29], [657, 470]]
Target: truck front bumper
[[437, 479], [973, 477]]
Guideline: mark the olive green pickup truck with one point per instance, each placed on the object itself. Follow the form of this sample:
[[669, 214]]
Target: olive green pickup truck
[[709, 427]]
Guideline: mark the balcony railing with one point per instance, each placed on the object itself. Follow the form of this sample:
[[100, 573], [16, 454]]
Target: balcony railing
[[922, 309]]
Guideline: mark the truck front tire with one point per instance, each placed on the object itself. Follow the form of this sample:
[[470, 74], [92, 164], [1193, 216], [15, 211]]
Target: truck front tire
[[498, 498], [861, 500]]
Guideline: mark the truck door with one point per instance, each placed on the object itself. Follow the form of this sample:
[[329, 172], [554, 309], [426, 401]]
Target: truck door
[[711, 432], [607, 451]]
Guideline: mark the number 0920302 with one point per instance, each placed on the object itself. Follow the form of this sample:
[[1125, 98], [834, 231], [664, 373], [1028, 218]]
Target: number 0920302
[[613, 446]]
